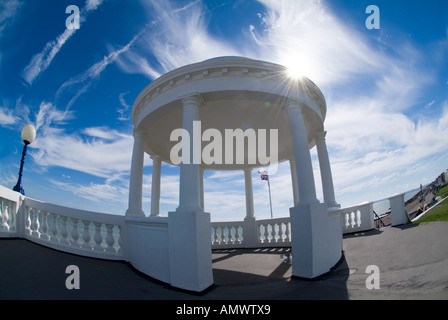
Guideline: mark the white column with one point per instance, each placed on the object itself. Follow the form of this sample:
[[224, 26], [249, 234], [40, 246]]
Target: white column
[[155, 187], [325, 170], [201, 187], [249, 225], [190, 250], [136, 179], [295, 188], [302, 157], [249, 193], [189, 193]]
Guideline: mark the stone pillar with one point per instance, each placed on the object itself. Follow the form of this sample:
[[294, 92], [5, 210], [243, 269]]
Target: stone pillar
[[249, 224], [136, 179], [155, 187], [295, 188], [249, 193], [302, 157], [325, 170], [189, 240], [316, 240], [189, 193], [201, 187]]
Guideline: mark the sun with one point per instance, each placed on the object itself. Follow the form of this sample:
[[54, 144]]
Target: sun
[[295, 69], [295, 72]]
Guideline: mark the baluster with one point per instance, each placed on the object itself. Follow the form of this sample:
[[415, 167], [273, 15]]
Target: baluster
[[237, 235], [347, 217], [276, 232], [223, 235], [216, 235], [64, 231], [260, 233], [287, 232], [241, 233], [352, 219], [75, 234], [225, 238], [266, 233], [120, 241], [86, 235], [110, 239], [97, 237], [11, 210], [54, 228], [4, 218], [217, 239], [281, 232], [232, 238], [212, 234], [44, 235], [35, 224], [358, 218], [27, 221]]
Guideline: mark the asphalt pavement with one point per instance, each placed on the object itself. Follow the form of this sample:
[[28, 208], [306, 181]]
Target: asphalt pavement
[[406, 262]]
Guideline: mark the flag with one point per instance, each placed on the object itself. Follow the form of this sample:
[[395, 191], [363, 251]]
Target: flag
[[264, 175]]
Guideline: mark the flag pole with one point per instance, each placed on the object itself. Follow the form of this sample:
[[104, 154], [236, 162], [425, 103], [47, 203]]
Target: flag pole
[[265, 176], [270, 201]]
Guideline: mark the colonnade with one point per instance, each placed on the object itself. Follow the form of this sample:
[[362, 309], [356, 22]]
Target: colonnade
[[191, 184]]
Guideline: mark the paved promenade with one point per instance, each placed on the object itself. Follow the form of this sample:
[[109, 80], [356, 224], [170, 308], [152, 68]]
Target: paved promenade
[[412, 261]]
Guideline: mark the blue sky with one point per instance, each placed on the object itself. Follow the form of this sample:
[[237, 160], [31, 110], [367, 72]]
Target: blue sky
[[386, 92]]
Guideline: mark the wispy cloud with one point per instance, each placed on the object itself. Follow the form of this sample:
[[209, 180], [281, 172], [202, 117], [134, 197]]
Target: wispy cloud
[[125, 109], [372, 136], [84, 151], [8, 10], [42, 60], [379, 150], [7, 117], [305, 36], [85, 78], [176, 36]]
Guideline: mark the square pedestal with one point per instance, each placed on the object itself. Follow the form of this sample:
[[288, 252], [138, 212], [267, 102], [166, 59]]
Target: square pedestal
[[316, 240], [190, 250]]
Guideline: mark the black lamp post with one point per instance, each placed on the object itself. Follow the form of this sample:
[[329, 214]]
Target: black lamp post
[[28, 136]]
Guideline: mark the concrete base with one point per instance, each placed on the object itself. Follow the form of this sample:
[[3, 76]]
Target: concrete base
[[190, 253], [250, 232], [399, 215], [148, 246], [316, 240]]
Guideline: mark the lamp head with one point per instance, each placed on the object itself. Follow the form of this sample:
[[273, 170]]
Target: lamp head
[[28, 134]]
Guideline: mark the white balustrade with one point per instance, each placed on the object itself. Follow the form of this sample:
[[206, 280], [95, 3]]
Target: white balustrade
[[4, 217], [356, 218], [100, 235], [270, 233], [58, 227], [9, 204], [227, 234], [274, 232]]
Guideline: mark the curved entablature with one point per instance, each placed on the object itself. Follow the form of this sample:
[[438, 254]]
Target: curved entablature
[[226, 73], [236, 94]]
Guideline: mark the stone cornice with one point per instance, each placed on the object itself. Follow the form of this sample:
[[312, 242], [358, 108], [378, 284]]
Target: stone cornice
[[219, 68]]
